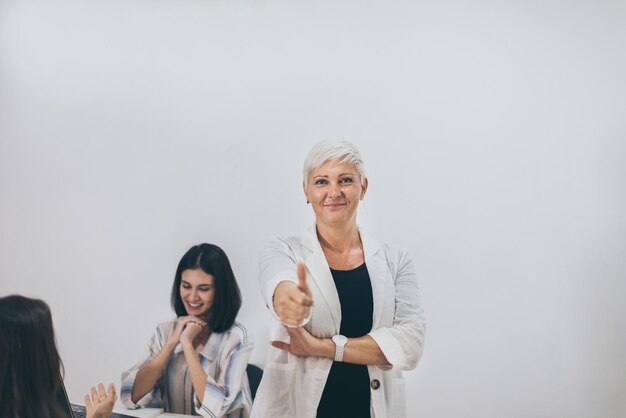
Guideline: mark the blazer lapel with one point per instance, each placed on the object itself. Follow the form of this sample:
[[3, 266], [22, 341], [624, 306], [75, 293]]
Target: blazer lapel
[[378, 270], [319, 271]]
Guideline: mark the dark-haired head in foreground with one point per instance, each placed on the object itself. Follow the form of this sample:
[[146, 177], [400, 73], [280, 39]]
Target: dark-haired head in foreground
[[30, 366]]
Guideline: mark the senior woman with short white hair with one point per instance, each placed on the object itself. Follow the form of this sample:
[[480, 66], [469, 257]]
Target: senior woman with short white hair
[[346, 307]]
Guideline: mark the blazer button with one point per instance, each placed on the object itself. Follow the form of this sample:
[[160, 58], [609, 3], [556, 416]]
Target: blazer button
[[375, 384]]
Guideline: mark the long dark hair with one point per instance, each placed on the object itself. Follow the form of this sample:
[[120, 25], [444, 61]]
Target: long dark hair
[[212, 260], [30, 366]]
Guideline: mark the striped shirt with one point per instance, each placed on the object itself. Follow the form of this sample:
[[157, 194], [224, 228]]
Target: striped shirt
[[224, 359]]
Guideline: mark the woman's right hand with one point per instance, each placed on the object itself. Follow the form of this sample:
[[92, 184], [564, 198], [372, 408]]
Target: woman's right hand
[[293, 302], [181, 322]]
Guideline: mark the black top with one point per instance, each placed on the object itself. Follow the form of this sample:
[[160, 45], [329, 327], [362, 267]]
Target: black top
[[347, 390]]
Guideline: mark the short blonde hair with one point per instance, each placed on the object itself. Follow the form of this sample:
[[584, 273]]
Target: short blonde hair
[[343, 152]]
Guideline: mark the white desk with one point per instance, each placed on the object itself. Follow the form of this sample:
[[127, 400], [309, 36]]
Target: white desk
[[148, 413], [142, 412]]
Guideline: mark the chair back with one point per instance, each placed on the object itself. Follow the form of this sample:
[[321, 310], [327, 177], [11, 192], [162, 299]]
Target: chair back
[[254, 377]]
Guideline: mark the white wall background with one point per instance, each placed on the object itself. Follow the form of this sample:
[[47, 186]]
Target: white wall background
[[494, 134]]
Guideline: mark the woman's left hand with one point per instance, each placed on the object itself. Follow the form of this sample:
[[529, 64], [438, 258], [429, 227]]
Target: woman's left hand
[[301, 343], [101, 402], [191, 331]]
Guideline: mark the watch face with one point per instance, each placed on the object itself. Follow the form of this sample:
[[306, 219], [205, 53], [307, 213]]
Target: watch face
[[340, 340]]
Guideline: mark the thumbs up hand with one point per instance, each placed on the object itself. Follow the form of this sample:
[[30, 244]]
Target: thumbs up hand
[[302, 285], [292, 302]]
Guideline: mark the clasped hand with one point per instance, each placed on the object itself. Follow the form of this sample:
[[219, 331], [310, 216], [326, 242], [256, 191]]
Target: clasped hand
[[186, 329]]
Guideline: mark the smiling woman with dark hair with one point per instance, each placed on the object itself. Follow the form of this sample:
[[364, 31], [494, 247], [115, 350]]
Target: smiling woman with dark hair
[[196, 364], [212, 260]]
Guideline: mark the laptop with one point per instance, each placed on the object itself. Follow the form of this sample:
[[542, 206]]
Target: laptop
[[71, 410]]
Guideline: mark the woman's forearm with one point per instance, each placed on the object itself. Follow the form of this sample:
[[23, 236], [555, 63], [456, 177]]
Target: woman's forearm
[[362, 350], [150, 373], [198, 376]]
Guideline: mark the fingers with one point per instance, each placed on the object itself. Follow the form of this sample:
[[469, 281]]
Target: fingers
[[182, 320], [193, 324], [111, 393], [191, 331], [194, 319], [293, 305], [286, 292], [94, 396], [198, 321], [182, 323], [102, 393], [301, 298], [304, 296], [197, 324], [280, 345], [88, 404], [101, 401], [297, 335], [293, 313], [299, 343], [302, 285]]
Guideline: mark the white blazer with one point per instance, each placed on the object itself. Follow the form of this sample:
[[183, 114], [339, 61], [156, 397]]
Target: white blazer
[[291, 385]]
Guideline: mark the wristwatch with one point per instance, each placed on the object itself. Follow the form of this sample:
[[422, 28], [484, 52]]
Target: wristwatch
[[340, 342]]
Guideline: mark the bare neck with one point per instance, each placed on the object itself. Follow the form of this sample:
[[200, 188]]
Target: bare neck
[[338, 239]]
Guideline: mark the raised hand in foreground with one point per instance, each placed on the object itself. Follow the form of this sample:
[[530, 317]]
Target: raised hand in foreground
[[100, 403]]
